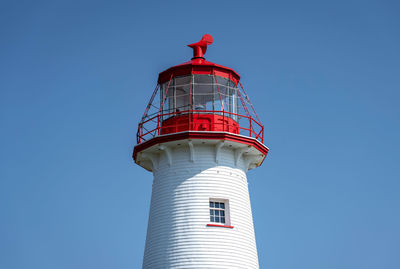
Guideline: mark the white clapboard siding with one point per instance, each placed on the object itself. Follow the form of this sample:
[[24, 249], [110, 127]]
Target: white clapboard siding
[[177, 235]]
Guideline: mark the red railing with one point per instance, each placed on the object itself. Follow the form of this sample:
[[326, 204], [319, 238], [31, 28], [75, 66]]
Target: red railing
[[230, 122]]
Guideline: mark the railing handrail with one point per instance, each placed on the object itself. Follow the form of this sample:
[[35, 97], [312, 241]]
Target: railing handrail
[[157, 121]]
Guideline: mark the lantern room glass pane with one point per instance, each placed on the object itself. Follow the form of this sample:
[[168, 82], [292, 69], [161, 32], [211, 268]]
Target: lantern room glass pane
[[199, 94], [177, 92], [214, 94]]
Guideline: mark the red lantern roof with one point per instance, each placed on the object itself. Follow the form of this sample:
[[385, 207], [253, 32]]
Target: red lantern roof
[[199, 66]]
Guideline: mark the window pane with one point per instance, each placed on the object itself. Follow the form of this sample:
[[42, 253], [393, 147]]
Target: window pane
[[216, 205], [212, 218], [184, 80], [222, 220], [222, 213], [182, 97], [211, 212], [216, 212], [212, 204], [216, 219], [222, 205], [203, 79]]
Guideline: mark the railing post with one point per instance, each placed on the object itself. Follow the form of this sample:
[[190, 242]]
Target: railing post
[[158, 124], [250, 124], [223, 120], [262, 138]]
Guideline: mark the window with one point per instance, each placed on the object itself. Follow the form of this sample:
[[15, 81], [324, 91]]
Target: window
[[217, 212]]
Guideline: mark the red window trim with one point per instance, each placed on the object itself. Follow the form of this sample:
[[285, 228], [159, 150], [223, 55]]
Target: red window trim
[[218, 225]]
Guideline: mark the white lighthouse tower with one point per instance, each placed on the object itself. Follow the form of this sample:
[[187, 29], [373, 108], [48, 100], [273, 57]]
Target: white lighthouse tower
[[199, 136]]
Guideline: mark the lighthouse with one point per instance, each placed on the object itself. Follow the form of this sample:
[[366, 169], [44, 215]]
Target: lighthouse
[[199, 135]]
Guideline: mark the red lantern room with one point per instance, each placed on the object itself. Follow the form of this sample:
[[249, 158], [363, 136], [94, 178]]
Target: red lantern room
[[200, 100]]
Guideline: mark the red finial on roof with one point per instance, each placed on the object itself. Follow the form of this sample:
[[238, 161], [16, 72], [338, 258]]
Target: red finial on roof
[[199, 48]]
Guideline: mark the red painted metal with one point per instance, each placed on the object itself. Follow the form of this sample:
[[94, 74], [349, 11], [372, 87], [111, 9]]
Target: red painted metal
[[200, 48], [201, 67], [199, 122], [198, 65], [201, 135], [219, 225]]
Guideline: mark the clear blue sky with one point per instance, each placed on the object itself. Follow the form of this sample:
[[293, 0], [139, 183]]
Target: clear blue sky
[[75, 77]]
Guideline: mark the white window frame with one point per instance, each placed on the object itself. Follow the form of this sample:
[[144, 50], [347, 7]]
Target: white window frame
[[226, 211]]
